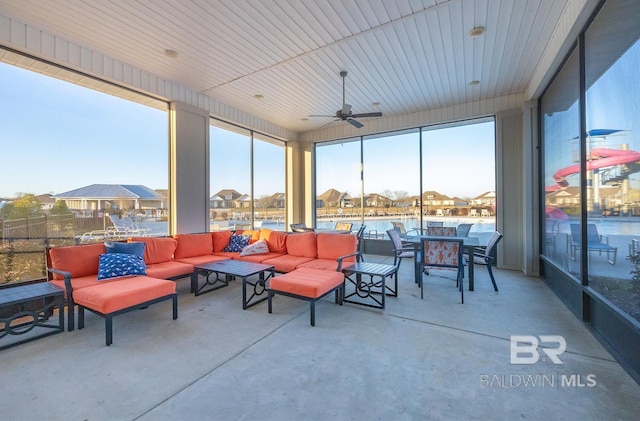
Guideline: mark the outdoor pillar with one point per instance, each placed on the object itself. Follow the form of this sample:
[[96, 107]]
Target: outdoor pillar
[[189, 169]]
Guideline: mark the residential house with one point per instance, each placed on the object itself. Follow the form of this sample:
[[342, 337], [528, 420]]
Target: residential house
[[112, 197]]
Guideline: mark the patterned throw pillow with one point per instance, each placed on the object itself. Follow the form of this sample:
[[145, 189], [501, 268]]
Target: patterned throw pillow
[[237, 243], [114, 265], [259, 247]]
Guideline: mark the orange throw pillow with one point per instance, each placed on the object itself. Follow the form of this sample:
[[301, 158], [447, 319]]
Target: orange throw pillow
[[302, 244], [191, 245], [220, 240], [78, 260], [332, 246], [158, 250], [276, 240]]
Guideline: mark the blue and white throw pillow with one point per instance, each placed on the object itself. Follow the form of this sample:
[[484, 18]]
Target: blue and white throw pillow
[[237, 243], [114, 265]]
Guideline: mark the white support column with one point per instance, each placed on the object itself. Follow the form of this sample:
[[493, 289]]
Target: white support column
[[509, 181], [188, 169]]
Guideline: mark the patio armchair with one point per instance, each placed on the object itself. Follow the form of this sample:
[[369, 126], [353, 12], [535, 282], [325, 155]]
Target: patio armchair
[[595, 242], [125, 227], [404, 234], [463, 230], [301, 227], [441, 231], [360, 236], [446, 253], [400, 250], [343, 226], [487, 256]]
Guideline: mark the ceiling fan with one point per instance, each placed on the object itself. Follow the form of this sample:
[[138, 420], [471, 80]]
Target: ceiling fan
[[345, 113]]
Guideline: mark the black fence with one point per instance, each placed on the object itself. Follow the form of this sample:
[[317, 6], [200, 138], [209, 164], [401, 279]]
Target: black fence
[[23, 242]]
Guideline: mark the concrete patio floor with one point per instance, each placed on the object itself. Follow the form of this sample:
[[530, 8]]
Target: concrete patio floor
[[418, 359]]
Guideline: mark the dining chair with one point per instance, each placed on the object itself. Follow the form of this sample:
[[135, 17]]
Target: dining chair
[[402, 230], [442, 254], [301, 227], [400, 250], [487, 256], [441, 231], [360, 236], [462, 230], [343, 226]]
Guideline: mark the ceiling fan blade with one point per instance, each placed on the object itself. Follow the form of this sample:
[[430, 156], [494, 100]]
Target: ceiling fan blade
[[355, 123], [321, 115], [376, 114], [346, 109]]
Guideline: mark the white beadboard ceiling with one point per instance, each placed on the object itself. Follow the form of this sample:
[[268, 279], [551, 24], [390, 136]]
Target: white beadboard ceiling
[[407, 55]]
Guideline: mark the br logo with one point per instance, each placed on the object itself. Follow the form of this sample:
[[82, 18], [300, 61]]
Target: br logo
[[525, 348]]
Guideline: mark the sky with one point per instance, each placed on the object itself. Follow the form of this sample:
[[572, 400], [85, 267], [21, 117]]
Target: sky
[[457, 162], [57, 136]]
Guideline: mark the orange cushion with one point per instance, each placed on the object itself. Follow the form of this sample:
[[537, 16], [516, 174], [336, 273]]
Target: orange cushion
[[170, 269], [190, 245], [255, 234], [158, 250], [311, 283], [257, 258], [78, 260], [302, 244], [286, 263], [199, 260], [220, 240], [323, 264], [81, 282], [228, 254], [276, 240], [332, 246], [114, 296]]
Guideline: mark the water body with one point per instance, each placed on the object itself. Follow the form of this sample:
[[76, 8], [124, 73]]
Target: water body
[[609, 226]]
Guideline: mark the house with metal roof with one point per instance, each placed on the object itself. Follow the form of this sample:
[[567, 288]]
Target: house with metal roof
[[112, 196]]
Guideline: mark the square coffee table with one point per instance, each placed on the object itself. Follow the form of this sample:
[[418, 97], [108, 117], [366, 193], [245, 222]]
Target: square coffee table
[[225, 270], [43, 295]]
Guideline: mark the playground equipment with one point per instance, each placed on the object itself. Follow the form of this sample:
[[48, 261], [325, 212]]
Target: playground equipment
[[602, 158], [605, 166]]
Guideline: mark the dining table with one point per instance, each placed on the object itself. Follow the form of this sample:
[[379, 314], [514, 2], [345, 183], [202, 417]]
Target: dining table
[[468, 243]]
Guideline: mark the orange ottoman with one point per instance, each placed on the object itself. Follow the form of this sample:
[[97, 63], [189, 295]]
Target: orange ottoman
[[309, 285], [112, 298]]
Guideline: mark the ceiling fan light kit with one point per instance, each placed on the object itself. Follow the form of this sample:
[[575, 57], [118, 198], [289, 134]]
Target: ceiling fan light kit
[[345, 113]]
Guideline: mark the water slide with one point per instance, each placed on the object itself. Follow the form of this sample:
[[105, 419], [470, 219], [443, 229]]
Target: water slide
[[600, 158]]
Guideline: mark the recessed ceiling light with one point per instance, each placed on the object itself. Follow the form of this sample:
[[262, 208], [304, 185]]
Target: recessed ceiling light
[[171, 53], [474, 82], [258, 96], [477, 31]]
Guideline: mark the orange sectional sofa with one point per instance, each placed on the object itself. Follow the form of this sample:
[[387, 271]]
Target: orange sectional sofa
[[74, 268]]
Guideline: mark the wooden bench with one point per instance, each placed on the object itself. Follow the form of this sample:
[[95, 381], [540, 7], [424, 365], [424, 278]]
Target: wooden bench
[[309, 285], [112, 298]]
